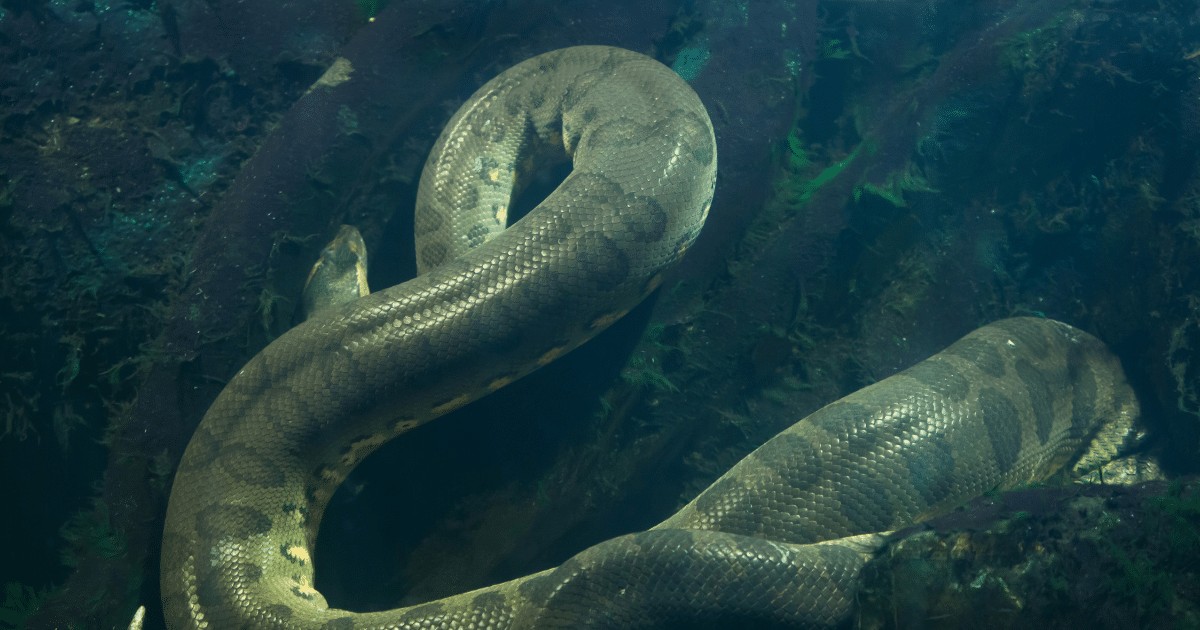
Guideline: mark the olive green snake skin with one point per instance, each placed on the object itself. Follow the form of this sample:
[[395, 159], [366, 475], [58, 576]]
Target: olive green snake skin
[[1011, 403]]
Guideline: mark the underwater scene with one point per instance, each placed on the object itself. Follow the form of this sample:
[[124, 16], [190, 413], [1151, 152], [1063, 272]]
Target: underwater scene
[[808, 314]]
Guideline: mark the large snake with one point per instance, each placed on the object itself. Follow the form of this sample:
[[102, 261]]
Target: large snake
[[1010, 403]]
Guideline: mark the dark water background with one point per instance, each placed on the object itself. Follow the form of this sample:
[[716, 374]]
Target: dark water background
[[892, 175]]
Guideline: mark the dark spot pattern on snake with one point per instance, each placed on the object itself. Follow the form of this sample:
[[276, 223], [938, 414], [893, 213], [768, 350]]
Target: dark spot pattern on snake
[[236, 521], [1083, 403], [942, 379], [928, 468], [1041, 399], [1003, 435], [979, 354]]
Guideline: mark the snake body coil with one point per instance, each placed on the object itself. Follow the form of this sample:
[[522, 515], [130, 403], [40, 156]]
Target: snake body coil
[[1010, 403]]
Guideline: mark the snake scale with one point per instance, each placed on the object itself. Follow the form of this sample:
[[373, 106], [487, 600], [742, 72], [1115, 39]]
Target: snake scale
[[779, 539]]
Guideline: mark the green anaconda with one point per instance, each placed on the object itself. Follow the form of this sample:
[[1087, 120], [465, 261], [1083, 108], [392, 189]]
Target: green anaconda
[[780, 538]]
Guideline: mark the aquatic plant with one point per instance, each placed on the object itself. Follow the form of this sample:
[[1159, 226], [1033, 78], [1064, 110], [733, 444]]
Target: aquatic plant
[[690, 61], [19, 603]]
